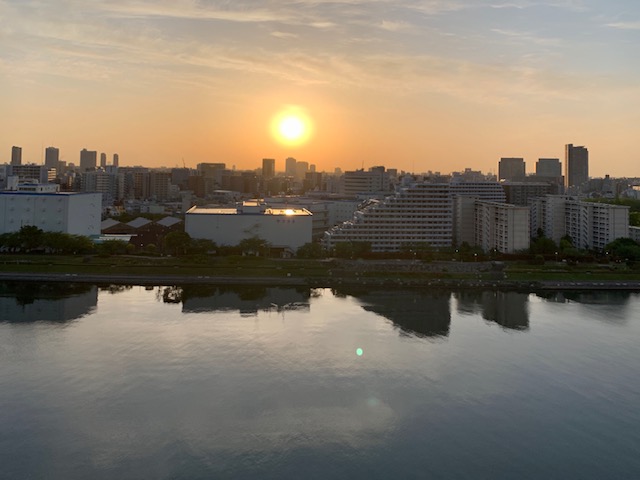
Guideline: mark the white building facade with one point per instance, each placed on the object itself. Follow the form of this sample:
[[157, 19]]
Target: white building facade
[[590, 225], [281, 227], [73, 213], [501, 227], [419, 213]]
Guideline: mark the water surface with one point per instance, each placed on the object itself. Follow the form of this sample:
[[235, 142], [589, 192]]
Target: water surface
[[203, 382]]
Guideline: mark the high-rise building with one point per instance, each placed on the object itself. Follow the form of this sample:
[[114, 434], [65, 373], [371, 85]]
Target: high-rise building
[[88, 159], [16, 155], [268, 168], [548, 167], [103, 159], [301, 169], [51, 157], [511, 168], [290, 167], [576, 165], [116, 159]]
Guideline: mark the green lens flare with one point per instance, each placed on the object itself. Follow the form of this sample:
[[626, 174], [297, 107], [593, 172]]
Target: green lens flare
[[359, 352]]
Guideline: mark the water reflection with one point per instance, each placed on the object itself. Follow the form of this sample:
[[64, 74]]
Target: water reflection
[[507, 309], [614, 304], [246, 300], [48, 302], [414, 313]]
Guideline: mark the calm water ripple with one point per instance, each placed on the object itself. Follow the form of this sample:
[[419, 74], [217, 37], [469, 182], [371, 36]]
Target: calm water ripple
[[203, 382]]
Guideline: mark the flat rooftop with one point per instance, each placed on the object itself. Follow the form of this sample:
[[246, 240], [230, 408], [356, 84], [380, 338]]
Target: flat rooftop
[[296, 212]]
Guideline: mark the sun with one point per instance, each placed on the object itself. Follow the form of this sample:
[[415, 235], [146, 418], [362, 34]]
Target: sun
[[291, 126]]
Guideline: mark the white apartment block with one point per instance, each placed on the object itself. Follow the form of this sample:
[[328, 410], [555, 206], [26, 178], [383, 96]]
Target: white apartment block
[[590, 225], [417, 214], [281, 227], [421, 212], [501, 226], [73, 213]]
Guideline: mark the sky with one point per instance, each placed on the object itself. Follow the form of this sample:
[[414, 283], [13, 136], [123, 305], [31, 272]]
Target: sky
[[417, 85]]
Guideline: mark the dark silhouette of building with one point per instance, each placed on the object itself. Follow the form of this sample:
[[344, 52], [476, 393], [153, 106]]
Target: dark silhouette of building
[[51, 157], [16, 155], [511, 168], [88, 159], [576, 165]]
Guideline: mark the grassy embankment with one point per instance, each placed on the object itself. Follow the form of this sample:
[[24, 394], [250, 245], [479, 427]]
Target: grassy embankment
[[257, 267]]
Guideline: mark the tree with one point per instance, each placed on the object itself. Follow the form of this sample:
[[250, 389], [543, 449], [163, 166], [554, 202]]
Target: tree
[[254, 245], [112, 247], [352, 249], [624, 249], [542, 245], [310, 250], [30, 237], [177, 242]]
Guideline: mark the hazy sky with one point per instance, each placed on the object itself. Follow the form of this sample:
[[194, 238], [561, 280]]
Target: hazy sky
[[417, 85]]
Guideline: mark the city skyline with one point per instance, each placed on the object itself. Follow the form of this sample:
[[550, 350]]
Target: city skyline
[[416, 85]]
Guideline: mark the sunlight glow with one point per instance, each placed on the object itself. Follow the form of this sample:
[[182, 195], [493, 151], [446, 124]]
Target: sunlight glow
[[292, 126]]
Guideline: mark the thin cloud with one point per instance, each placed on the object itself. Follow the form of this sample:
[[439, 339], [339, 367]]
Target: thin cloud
[[625, 25], [283, 35]]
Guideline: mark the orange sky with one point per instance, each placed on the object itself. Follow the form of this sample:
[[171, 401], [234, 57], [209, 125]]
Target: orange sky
[[434, 85]]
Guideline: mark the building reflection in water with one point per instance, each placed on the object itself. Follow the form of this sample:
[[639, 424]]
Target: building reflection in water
[[414, 313], [614, 303], [53, 302], [246, 300], [507, 309]]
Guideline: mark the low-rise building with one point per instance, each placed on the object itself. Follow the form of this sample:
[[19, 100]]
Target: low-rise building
[[282, 227], [73, 213]]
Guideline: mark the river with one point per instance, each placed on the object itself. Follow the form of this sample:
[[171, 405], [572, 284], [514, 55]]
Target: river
[[199, 382]]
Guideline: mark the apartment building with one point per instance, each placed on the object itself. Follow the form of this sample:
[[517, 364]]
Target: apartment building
[[590, 225]]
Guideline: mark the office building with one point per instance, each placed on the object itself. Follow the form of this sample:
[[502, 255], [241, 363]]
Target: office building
[[548, 167], [116, 160], [360, 182], [32, 173], [511, 168], [290, 167], [103, 160], [88, 160], [576, 166], [16, 155], [268, 168], [521, 193], [51, 157]]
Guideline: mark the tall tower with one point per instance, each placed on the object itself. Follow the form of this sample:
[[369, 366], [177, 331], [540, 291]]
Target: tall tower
[[511, 168], [116, 159], [88, 159], [576, 165], [290, 167], [51, 157], [16, 155], [268, 168], [103, 159]]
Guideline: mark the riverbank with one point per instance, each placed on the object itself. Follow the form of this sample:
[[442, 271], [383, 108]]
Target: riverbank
[[373, 283], [328, 273]]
